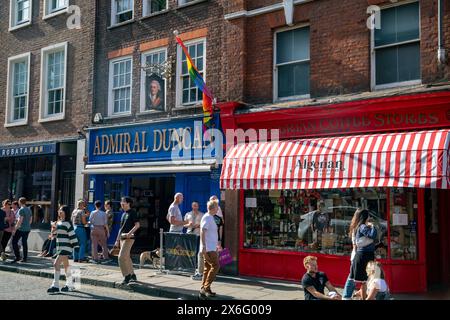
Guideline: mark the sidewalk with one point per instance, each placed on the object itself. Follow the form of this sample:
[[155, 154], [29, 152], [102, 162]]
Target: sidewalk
[[176, 286], [152, 282]]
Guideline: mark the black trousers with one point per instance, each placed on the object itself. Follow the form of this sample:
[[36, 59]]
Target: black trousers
[[15, 242], [5, 239]]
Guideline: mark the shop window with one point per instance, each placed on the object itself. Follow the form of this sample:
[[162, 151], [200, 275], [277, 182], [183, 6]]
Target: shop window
[[55, 7], [404, 208], [292, 63], [288, 220], [18, 88], [120, 82], [53, 86], [154, 6], [20, 13], [122, 11], [188, 91], [397, 46]]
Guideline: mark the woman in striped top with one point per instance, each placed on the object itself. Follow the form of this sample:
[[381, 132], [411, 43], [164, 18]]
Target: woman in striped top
[[66, 241]]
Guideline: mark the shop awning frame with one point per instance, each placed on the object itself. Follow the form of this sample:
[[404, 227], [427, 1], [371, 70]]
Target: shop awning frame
[[407, 159]]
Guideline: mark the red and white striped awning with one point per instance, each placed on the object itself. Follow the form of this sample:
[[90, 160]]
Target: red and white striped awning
[[411, 159]]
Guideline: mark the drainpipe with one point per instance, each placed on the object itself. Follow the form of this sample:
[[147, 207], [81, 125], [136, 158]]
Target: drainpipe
[[441, 50]]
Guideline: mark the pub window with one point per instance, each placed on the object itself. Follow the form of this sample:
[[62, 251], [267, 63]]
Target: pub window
[[188, 92], [53, 86], [288, 219], [20, 13], [18, 89], [182, 2], [54, 7], [120, 82], [121, 11], [292, 63], [154, 6], [397, 47], [153, 84]]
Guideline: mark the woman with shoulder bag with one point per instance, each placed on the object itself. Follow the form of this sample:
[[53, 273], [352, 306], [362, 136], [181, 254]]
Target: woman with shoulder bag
[[129, 224], [78, 222]]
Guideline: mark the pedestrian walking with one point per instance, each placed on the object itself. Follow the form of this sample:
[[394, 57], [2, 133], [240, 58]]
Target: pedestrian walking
[[79, 221], [66, 241], [208, 246], [174, 214], [193, 220], [15, 209], [10, 221], [99, 232], [365, 234], [349, 286], [109, 215], [2, 228], [129, 224], [22, 230]]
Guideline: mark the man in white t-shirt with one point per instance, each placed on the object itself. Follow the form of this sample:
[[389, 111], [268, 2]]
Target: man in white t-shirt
[[174, 214], [193, 220], [208, 246]]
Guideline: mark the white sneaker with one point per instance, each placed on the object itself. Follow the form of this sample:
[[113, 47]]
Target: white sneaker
[[197, 276]]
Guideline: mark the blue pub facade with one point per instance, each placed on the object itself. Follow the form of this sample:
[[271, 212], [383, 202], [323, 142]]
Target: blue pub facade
[[150, 162]]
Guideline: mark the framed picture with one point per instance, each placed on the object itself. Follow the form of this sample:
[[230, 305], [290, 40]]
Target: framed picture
[[155, 93]]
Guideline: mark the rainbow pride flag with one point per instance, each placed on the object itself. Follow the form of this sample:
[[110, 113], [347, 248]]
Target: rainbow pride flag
[[195, 76]]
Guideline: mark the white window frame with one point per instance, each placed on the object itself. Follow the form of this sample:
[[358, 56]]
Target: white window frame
[[43, 115], [179, 83], [9, 121], [114, 14], [143, 76], [183, 3], [48, 13], [146, 9], [275, 65], [13, 23], [373, 78], [111, 113]]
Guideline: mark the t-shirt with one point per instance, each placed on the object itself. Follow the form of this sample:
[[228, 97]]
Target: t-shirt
[[321, 220], [77, 217], [190, 217], [25, 212], [110, 216], [379, 284], [174, 211], [98, 218], [209, 227], [129, 218], [318, 282], [3, 224]]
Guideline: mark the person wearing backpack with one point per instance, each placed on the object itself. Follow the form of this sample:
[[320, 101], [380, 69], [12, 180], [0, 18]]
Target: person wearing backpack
[[363, 235]]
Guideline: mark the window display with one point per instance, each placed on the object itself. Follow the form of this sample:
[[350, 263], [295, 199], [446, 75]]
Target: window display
[[404, 210], [311, 220]]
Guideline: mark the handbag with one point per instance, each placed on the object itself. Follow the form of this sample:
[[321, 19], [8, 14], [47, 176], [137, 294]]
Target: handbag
[[225, 257], [114, 252]]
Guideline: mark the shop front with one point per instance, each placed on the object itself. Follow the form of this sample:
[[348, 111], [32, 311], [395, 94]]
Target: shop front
[[150, 163], [389, 156], [43, 173]]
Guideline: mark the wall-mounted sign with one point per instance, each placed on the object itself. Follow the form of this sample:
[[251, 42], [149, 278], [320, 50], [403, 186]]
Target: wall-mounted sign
[[28, 150], [166, 141]]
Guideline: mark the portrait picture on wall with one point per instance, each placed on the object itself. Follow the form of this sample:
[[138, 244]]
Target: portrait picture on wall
[[155, 93]]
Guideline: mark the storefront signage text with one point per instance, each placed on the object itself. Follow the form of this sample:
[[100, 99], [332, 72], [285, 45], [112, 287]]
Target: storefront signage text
[[27, 150], [312, 165]]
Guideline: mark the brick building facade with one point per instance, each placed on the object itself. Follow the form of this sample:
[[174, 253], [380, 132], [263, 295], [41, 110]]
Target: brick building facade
[[46, 67]]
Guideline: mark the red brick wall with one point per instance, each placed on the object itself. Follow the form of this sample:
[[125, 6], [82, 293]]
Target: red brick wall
[[340, 47], [42, 33]]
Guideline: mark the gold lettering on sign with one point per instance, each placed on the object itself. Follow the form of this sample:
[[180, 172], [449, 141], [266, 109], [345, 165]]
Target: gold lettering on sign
[[126, 143], [187, 138], [137, 144], [113, 143], [175, 138], [166, 138], [97, 146], [157, 133], [105, 144], [197, 138], [144, 147]]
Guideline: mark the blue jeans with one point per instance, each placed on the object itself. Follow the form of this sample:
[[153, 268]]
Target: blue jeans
[[79, 253], [348, 288]]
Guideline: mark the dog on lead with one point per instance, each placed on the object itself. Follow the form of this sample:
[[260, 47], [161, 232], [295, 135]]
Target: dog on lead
[[153, 256]]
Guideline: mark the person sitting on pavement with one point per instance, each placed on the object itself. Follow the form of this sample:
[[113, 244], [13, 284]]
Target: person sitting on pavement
[[194, 218], [314, 282], [377, 288]]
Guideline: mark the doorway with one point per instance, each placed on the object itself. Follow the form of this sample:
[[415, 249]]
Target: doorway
[[151, 200], [437, 223]]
